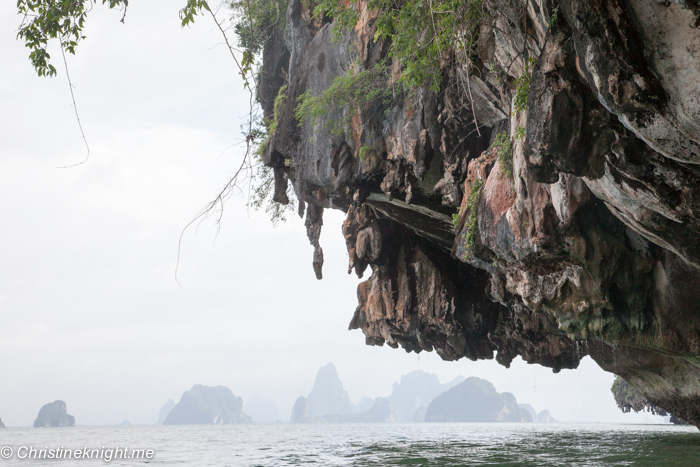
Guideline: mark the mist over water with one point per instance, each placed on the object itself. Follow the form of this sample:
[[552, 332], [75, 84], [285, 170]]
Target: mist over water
[[368, 445]]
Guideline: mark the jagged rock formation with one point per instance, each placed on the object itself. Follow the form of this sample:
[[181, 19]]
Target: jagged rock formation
[[328, 397], [380, 412], [363, 405], [542, 417], [545, 417], [475, 400], [415, 390], [529, 409], [164, 411], [628, 399], [300, 412], [54, 414], [329, 403], [204, 405], [586, 246]]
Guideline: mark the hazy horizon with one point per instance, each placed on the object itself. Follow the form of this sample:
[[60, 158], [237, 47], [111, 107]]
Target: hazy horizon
[[92, 313]]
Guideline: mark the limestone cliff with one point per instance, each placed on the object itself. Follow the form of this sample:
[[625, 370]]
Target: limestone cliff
[[475, 400], [206, 405], [328, 396], [415, 392], [164, 411], [586, 243], [54, 414]]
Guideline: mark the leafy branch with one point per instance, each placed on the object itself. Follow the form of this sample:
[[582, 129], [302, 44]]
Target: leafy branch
[[64, 20]]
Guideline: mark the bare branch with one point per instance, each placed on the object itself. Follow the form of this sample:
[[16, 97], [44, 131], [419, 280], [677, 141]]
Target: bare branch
[[75, 108]]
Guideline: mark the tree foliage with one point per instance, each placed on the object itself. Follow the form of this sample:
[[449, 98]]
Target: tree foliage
[[255, 20], [44, 20], [55, 19]]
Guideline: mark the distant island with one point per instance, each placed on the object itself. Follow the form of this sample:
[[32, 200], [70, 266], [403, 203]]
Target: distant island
[[410, 397], [418, 397], [2, 425], [475, 400], [164, 411], [54, 414], [205, 405], [328, 397], [542, 417], [328, 402]]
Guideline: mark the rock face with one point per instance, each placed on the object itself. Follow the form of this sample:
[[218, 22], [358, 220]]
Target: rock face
[[300, 412], [381, 412], [329, 403], [416, 389], [204, 405], [164, 411], [629, 399], [363, 405], [545, 417], [529, 409], [328, 396], [475, 400], [54, 414], [587, 245]]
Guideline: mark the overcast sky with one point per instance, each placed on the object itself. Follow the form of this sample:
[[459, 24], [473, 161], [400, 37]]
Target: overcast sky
[[90, 309]]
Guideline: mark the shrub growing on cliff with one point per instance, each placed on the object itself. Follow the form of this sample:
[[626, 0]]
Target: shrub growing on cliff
[[471, 206], [263, 177], [350, 91], [255, 20], [522, 87], [504, 152], [423, 34]]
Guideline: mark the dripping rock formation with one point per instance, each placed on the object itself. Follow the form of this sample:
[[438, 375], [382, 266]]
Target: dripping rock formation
[[576, 234]]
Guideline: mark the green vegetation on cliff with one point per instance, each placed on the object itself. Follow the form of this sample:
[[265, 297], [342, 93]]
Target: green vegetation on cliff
[[423, 35]]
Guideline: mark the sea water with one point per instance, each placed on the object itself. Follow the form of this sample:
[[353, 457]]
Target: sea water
[[424, 444]]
